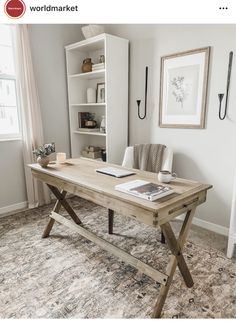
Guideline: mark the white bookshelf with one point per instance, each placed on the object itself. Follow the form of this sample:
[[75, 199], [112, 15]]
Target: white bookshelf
[[115, 107]]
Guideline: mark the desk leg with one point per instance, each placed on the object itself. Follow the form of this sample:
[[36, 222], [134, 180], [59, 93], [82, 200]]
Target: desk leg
[[61, 201], [65, 204], [171, 267], [51, 221], [110, 221], [177, 251], [163, 240]]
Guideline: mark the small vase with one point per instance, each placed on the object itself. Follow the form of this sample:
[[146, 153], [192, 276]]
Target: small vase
[[87, 65], [103, 124], [43, 161], [91, 95]]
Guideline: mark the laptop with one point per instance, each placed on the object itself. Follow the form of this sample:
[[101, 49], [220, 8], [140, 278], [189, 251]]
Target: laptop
[[116, 172]]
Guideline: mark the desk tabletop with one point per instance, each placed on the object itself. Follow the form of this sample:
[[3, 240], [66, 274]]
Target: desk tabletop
[[82, 172]]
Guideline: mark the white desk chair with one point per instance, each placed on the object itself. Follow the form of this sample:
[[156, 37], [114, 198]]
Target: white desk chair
[[128, 163], [166, 161]]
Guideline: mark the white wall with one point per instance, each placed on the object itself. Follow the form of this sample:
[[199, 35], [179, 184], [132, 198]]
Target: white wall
[[47, 43], [206, 155], [12, 183]]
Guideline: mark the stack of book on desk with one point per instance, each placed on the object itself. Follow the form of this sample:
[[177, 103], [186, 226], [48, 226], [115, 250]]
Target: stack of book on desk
[[143, 189], [99, 66]]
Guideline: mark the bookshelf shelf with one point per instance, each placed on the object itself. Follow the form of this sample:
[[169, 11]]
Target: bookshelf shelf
[[89, 104], [90, 133], [90, 75]]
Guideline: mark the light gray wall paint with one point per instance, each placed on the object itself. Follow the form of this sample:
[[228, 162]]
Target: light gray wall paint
[[48, 42], [12, 182], [206, 155]]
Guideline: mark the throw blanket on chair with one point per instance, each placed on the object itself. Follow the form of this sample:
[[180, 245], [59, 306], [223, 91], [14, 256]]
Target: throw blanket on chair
[[148, 157]]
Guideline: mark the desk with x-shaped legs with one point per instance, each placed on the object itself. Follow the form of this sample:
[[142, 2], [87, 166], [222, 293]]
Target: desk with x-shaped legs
[[79, 177]]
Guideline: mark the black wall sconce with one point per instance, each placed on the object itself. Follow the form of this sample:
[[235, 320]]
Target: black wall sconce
[[145, 100], [221, 95]]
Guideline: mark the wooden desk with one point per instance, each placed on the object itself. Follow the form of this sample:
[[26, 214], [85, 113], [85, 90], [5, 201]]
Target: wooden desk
[[80, 178]]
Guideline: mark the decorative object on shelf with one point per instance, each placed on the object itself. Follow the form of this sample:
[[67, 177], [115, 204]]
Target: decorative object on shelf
[[104, 154], [92, 152], [87, 65], [90, 123], [183, 89], [86, 120], [100, 92], [91, 95], [61, 158], [42, 153], [92, 148], [92, 30], [98, 67], [221, 95], [102, 59], [139, 101], [103, 125]]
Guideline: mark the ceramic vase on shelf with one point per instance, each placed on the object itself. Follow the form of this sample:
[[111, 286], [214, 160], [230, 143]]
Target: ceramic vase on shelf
[[87, 65], [91, 95], [103, 124], [43, 161]]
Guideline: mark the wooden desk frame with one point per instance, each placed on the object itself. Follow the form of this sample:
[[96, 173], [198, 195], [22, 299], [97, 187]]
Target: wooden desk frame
[[187, 204]]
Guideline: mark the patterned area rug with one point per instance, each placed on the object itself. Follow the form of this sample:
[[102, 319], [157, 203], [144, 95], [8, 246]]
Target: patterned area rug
[[66, 276]]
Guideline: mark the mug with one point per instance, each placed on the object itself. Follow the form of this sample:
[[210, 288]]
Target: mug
[[164, 176]]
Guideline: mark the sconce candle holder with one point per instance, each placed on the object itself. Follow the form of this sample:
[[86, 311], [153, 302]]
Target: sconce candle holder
[[221, 95], [145, 102]]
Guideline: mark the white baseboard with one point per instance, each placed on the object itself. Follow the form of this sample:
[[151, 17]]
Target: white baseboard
[[7, 210], [209, 226], [10, 209]]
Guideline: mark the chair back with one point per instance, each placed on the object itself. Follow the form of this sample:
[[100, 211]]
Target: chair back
[[167, 160]]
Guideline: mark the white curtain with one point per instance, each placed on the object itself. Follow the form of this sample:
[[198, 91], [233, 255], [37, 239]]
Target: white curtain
[[32, 130]]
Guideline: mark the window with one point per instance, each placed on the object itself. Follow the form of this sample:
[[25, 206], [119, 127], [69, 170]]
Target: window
[[9, 112]]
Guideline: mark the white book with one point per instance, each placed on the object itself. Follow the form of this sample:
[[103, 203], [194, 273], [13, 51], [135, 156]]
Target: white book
[[116, 172], [97, 69], [143, 189], [99, 65]]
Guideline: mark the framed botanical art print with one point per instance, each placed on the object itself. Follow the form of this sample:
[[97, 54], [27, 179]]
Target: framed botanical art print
[[183, 89]]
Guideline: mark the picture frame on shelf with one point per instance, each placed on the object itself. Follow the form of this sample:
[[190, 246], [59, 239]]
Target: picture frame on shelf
[[101, 93], [183, 89]]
